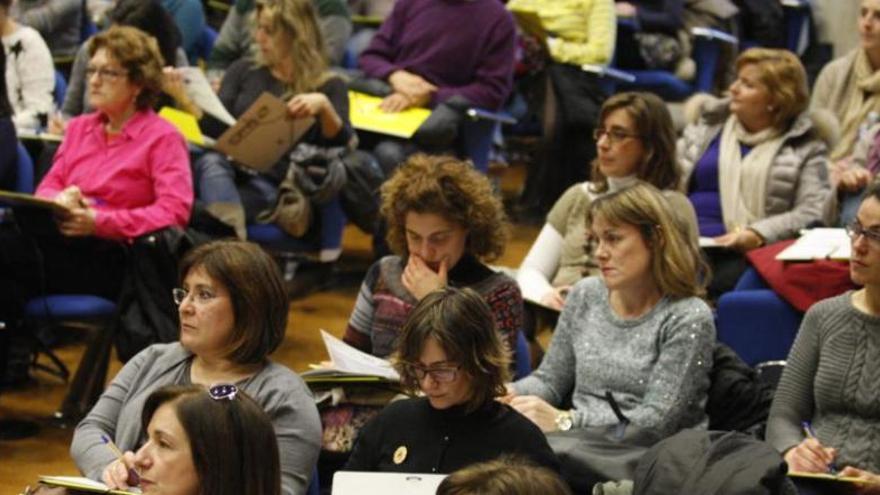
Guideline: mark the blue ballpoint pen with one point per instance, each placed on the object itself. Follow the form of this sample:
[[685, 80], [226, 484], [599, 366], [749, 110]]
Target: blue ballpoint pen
[[808, 430]]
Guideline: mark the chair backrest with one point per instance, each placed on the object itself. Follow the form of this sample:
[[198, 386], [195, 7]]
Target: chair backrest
[[24, 177], [60, 89], [205, 43]]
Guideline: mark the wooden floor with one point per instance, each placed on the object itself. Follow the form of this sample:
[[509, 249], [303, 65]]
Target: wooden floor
[[22, 461]]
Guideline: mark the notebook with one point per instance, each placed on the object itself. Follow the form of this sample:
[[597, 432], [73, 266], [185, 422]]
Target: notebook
[[361, 483], [83, 484]]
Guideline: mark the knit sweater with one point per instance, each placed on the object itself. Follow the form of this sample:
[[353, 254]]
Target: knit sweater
[[464, 47], [383, 303], [443, 441], [30, 76], [830, 379], [656, 366], [582, 31]]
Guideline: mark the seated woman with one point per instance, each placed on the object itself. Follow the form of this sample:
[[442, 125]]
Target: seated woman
[[449, 350], [149, 17], [443, 219], [189, 431], [634, 141], [290, 63], [566, 97], [639, 332], [755, 165], [228, 327], [121, 172], [828, 381], [849, 87], [30, 72]]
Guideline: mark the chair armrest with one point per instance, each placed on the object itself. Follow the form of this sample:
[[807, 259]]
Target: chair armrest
[[610, 72], [714, 34], [481, 114]]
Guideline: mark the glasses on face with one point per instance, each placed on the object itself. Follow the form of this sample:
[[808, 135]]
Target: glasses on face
[[200, 296], [440, 374], [855, 229], [614, 135], [223, 391], [109, 75]]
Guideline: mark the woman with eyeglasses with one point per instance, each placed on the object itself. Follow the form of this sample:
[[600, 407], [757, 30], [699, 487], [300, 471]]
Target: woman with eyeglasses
[[450, 353], [755, 164], [206, 442], [228, 327], [638, 335], [826, 413], [635, 140]]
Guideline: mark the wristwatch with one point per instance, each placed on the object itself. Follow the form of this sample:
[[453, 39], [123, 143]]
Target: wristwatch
[[563, 421]]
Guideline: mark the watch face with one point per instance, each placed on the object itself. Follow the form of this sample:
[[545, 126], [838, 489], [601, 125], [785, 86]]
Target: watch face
[[563, 421]]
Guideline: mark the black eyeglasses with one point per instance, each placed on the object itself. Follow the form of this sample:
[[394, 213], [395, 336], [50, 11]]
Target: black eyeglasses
[[855, 229], [200, 296], [614, 135], [108, 75], [223, 391], [441, 374]]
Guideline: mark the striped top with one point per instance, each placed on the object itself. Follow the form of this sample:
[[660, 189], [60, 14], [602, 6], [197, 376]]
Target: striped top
[[831, 379]]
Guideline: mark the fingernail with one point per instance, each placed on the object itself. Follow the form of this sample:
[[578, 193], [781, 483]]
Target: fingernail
[[133, 478]]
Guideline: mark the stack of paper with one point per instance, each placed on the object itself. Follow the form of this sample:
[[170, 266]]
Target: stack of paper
[[819, 244], [351, 363]]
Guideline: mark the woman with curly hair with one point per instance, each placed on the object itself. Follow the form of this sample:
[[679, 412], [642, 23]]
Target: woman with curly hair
[[443, 222], [449, 351]]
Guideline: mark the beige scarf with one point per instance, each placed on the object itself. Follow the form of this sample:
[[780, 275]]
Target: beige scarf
[[743, 180], [864, 88]]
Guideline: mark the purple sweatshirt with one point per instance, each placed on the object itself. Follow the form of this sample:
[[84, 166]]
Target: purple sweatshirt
[[464, 47]]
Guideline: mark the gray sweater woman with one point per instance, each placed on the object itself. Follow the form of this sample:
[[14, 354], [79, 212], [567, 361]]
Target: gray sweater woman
[[656, 366], [277, 389], [831, 379], [797, 183]]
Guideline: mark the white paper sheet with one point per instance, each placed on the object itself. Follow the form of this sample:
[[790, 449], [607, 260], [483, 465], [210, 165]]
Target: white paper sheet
[[200, 92], [347, 359]]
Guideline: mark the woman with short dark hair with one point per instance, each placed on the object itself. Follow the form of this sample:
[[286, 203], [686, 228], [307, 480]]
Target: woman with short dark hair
[[449, 351], [207, 442], [233, 313]]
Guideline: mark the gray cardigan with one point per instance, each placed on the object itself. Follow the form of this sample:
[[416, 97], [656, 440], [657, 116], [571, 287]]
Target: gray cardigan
[[656, 366], [797, 184], [831, 379], [280, 392]]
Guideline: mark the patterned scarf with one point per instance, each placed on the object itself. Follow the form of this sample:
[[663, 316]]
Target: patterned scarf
[[864, 88]]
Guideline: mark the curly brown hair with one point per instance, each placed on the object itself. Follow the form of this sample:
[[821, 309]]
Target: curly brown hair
[[138, 53], [452, 189]]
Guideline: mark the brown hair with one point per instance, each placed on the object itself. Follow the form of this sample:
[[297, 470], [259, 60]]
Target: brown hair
[[452, 189], [297, 21], [654, 125], [503, 476], [462, 323], [676, 264], [782, 73], [255, 286], [233, 444], [138, 54]]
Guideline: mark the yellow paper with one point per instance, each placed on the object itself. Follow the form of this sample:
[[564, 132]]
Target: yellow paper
[[366, 115], [185, 122]]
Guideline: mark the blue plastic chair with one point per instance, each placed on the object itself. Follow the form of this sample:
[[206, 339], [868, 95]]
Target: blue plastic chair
[[798, 14], [24, 173], [755, 322], [706, 52], [205, 43], [522, 357], [60, 90]]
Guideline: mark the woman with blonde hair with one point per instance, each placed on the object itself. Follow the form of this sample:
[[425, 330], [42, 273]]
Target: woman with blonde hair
[[444, 221], [754, 164], [288, 62], [635, 343]]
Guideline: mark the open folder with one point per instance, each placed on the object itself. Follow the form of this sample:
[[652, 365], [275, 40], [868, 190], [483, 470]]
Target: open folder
[[367, 116], [24, 199], [83, 484], [350, 364]]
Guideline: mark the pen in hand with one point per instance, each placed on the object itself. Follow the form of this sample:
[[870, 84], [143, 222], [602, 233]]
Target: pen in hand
[[808, 431], [133, 478]]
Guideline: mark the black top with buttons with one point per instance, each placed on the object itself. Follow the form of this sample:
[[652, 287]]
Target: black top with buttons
[[410, 436]]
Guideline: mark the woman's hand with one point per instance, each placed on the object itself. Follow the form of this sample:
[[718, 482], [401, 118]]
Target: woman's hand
[[308, 105], [537, 410], [854, 179], [413, 86], [79, 222], [810, 456], [740, 240], [172, 83], [555, 298], [56, 125], [71, 198], [116, 474], [872, 481], [420, 280], [395, 102], [625, 9]]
